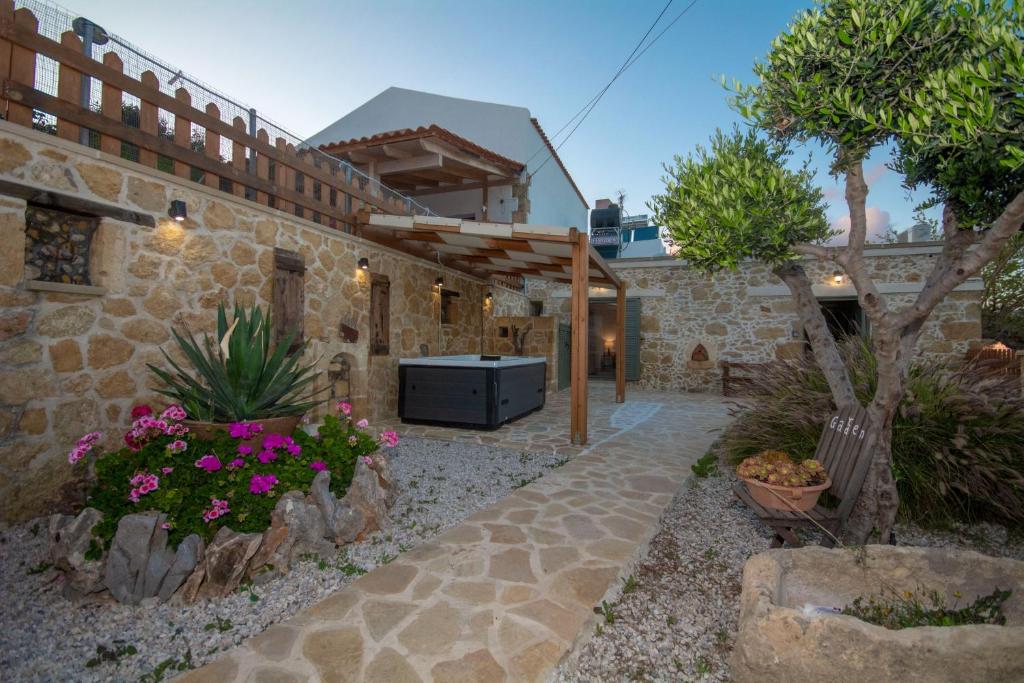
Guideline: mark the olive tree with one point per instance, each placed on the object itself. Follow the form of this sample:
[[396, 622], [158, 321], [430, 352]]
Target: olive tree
[[942, 82]]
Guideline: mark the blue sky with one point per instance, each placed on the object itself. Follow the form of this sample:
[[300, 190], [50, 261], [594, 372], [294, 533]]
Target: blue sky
[[306, 63]]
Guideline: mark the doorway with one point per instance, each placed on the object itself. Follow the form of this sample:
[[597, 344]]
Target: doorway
[[602, 355], [845, 318]]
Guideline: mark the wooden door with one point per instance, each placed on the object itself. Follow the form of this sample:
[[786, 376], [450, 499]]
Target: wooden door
[[289, 296], [380, 316]]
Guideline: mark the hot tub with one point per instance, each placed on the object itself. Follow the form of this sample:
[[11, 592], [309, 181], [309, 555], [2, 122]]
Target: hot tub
[[470, 390]]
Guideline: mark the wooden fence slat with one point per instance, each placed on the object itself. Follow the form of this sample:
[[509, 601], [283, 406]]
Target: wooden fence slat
[[69, 86], [149, 118], [110, 104], [262, 166], [42, 45], [23, 68], [182, 133], [212, 147], [284, 176], [309, 182], [6, 19], [238, 154]]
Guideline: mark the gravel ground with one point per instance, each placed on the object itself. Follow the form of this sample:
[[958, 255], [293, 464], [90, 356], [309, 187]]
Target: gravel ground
[[46, 638], [678, 615]]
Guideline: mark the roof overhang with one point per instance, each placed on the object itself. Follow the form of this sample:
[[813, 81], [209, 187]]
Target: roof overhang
[[486, 248], [427, 160]]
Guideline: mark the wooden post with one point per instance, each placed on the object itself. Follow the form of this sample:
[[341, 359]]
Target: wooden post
[[149, 118], [211, 148], [620, 343], [284, 177], [580, 338], [110, 104], [69, 86], [238, 158], [23, 68], [262, 166], [182, 134], [6, 19]]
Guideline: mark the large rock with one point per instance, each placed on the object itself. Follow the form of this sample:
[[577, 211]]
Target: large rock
[[70, 538], [779, 641], [296, 528], [368, 496], [140, 565], [225, 562], [342, 524], [385, 477]]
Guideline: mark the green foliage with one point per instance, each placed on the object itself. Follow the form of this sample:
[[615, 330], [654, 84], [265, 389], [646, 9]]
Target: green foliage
[[738, 200], [186, 492], [928, 608], [239, 375], [1002, 306], [942, 79], [955, 442], [116, 653], [707, 466]]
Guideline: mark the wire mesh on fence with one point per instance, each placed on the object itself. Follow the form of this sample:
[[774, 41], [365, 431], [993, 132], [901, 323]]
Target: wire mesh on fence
[[55, 20]]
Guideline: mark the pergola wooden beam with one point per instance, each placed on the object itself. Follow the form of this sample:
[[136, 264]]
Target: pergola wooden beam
[[556, 253]]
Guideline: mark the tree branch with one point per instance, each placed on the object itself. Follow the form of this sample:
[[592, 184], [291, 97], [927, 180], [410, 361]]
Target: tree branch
[[958, 263], [819, 252], [822, 342], [852, 257]]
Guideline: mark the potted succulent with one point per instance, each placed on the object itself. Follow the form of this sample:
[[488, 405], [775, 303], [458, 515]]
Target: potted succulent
[[775, 481], [239, 380]]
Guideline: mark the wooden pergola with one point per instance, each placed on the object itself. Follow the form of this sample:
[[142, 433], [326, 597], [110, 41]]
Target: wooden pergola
[[539, 251]]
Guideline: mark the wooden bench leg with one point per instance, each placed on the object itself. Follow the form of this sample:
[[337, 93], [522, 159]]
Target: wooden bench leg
[[778, 541], [783, 535]]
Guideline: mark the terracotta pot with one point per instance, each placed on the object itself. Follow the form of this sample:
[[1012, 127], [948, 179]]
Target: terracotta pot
[[273, 425], [788, 498]]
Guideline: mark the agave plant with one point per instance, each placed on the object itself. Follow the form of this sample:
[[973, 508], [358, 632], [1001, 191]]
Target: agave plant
[[240, 375]]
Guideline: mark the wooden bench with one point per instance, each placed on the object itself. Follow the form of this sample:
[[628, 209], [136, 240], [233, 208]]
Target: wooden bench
[[842, 451]]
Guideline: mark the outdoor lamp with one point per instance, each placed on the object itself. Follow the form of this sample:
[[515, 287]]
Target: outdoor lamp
[[178, 210], [439, 282], [490, 296], [364, 263], [838, 277]]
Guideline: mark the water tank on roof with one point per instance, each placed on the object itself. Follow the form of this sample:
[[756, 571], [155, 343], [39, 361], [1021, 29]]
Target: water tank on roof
[[610, 217]]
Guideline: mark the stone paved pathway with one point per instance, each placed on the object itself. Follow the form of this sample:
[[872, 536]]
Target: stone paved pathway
[[509, 592]]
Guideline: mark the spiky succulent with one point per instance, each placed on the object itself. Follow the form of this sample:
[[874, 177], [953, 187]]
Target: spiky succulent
[[240, 374]]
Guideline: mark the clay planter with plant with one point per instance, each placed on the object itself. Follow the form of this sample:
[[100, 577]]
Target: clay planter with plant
[[775, 481], [240, 376]]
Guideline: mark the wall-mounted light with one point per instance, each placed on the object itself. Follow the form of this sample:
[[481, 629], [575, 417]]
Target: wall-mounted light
[[490, 296], [178, 210], [364, 263], [838, 277], [439, 282]]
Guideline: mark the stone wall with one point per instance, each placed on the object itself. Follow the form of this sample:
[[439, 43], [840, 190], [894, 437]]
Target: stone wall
[[748, 315], [75, 360], [541, 340]]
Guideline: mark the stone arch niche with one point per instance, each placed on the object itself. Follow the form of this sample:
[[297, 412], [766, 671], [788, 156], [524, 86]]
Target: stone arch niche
[[701, 355], [341, 377]]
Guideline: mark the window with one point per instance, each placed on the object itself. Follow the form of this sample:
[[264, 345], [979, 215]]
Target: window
[[289, 296], [448, 308], [57, 245], [380, 315]]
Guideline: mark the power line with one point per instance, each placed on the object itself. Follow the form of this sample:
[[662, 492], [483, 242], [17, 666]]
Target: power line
[[628, 64], [602, 91]]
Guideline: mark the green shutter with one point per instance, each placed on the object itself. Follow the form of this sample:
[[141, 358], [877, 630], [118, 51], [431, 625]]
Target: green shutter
[[632, 340], [564, 355]]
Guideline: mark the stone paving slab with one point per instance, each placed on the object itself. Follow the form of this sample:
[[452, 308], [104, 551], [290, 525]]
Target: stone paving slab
[[508, 593]]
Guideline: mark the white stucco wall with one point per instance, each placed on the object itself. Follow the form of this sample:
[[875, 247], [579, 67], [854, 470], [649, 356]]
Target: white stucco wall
[[500, 128], [470, 202]]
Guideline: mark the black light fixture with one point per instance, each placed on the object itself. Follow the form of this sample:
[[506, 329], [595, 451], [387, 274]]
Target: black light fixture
[[178, 210], [439, 282], [490, 296], [364, 263]]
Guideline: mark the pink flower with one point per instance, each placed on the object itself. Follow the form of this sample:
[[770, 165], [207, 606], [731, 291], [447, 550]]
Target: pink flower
[[271, 441], [244, 430], [174, 413], [142, 483], [367, 460], [166, 470], [84, 446], [165, 525], [209, 462], [363, 424], [177, 429], [177, 446], [236, 463], [218, 508], [244, 450], [266, 456], [134, 496], [353, 440], [345, 407], [261, 483], [318, 465], [389, 438], [294, 449], [142, 410]]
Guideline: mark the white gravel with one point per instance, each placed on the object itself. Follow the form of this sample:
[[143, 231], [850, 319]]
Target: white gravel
[[46, 638], [679, 623]]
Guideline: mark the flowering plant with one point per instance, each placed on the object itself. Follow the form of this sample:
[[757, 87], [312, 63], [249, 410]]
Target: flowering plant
[[203, 484], [776, 467]]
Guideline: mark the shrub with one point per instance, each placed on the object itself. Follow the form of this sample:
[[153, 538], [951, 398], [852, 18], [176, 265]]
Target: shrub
[[928, 609], [240, 375], [957, 435], [203, 484]]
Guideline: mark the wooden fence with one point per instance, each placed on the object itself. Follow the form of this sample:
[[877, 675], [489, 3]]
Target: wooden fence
[[275, 174], [733, 384], [997, 360]]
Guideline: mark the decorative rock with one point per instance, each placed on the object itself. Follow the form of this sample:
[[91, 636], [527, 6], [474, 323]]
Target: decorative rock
[[343, 524], [296, 528], [70, 538], [128, 561], [226, 561], [366, 495], [189, 554]]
